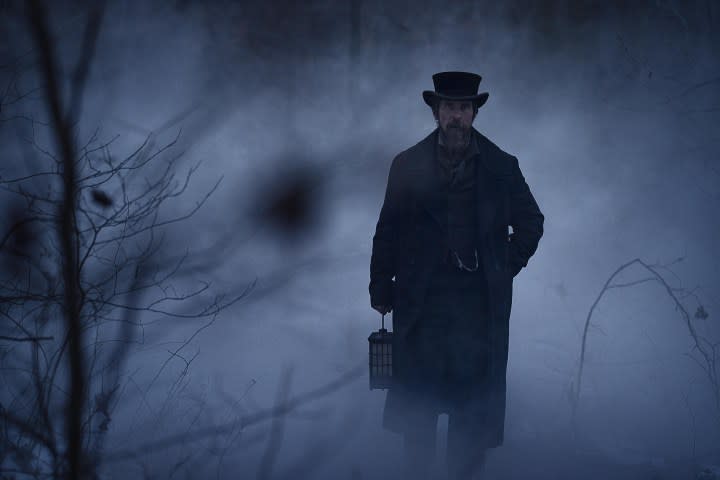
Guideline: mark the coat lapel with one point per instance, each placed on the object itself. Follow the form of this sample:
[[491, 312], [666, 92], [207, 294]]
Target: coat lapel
[[487, 195], [430, 191]]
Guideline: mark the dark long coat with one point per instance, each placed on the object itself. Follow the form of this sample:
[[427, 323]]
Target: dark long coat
[[406, 247]]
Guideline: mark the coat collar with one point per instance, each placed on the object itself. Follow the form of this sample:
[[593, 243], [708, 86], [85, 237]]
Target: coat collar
[[491, 165], [489, 153]]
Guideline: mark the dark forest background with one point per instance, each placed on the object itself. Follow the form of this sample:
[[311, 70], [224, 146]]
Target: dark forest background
[[189, 193]]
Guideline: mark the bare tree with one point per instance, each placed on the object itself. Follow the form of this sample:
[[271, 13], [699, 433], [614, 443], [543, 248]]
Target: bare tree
[[83, 257]]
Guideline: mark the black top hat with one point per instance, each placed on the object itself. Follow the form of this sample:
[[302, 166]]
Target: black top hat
[[456, 86]]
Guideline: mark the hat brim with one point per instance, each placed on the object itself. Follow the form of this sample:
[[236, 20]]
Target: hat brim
[[479, 100]]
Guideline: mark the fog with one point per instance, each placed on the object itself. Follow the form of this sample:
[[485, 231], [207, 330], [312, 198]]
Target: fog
[[612, 112]]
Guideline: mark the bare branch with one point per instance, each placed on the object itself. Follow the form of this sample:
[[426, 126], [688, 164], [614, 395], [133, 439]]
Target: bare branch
[[709, 362], [243, 422], [25, 339]]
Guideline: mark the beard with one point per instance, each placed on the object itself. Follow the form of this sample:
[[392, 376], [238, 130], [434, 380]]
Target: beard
[[456, 137]]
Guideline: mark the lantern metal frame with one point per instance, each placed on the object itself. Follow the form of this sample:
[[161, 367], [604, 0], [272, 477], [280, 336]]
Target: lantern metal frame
[[380, 358]]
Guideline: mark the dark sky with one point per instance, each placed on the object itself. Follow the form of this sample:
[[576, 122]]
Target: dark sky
[[612, 110]]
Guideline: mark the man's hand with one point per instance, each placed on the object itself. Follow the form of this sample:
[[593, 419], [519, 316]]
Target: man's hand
[[383, 309]]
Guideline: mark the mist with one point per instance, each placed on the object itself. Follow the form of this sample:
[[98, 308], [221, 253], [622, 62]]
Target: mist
[[287, 116]]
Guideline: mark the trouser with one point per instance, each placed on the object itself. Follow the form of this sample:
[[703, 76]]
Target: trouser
[[443, 368], [465, 455]]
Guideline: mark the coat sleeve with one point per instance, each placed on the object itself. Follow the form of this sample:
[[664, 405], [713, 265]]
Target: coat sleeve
[[526, 221], [382, 260]]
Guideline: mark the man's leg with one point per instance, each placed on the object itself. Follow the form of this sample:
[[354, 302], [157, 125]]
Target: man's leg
[[466, 449], [419, 446]]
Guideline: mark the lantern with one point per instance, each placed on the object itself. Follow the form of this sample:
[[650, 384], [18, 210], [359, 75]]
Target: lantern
[[380, 358]]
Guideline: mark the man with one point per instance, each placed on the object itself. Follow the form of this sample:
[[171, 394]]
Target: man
[[443, 261]]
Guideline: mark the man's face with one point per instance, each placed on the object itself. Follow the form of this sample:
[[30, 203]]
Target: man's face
[[455, 120]]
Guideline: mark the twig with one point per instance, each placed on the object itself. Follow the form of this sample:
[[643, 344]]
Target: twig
[[243, 422], [25, 339], [276, 430], [709, 364]]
